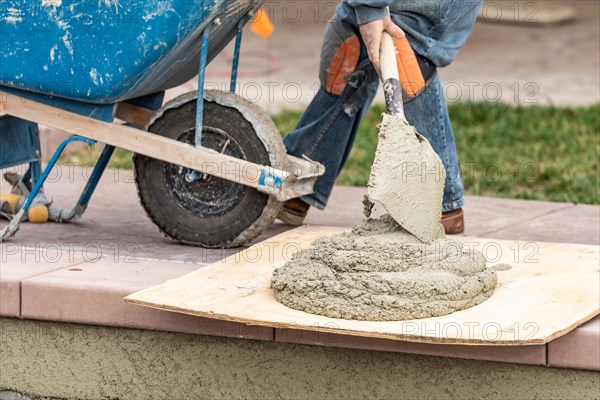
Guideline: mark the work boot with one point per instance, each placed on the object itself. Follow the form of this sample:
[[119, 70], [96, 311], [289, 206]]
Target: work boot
[[454, 222], [293, 212], [12, 203]]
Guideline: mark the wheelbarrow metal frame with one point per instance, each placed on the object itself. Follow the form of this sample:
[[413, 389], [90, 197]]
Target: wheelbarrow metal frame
[[95, 124]]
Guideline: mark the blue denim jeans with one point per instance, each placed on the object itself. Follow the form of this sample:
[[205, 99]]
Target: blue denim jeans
[[328, 127]]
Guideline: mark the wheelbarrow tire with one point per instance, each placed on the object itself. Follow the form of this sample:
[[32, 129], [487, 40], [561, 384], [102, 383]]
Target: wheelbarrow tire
[[210, 212]]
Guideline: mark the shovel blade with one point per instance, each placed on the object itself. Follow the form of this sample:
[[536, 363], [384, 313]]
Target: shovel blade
[[408, 179]]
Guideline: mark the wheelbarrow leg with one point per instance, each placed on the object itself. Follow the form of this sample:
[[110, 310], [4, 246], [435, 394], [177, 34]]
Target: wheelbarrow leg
[[33, 172], [15, 222], [236, 56], [201, 75], [192, 176], [76, 213]]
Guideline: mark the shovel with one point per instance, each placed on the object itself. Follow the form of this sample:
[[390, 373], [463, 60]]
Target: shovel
[[407, 177]]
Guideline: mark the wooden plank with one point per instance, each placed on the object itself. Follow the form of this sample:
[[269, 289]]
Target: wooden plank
[[141, 142], [552, 289], [137, 116]]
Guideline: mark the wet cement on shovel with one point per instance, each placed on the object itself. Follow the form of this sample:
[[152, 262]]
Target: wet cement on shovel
[[380, 271], [407, 178]]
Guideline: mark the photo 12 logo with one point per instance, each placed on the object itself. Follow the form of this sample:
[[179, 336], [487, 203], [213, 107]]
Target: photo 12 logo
[[69, 252]]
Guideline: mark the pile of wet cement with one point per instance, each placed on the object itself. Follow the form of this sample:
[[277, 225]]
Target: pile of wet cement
[[380, 272]]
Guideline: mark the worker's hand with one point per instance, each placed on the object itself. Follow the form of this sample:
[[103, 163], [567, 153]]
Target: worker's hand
[[371, 35]]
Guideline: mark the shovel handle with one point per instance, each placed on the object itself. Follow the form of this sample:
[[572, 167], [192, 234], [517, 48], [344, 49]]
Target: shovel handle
[[392, 88]]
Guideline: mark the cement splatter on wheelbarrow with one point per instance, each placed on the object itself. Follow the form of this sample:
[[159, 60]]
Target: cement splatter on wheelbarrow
[[400, 266]]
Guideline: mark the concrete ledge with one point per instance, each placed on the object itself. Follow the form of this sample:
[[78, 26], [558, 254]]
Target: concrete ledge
[[91, 292], [81, 361], [532, 355], [83, 275], [14, 270]]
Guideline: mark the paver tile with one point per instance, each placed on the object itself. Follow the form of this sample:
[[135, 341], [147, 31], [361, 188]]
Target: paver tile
[[579, 349], [92, 293], [18, 262], [577, 224]]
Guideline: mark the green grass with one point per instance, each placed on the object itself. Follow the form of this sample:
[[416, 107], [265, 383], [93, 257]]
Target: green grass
[[534, 152], [539, 152], [86, 157]]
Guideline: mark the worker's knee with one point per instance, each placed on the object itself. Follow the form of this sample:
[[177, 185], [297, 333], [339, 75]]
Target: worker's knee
[[340, 56]]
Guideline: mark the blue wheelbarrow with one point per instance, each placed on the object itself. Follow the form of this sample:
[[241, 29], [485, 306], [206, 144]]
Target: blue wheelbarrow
[[209, 173]]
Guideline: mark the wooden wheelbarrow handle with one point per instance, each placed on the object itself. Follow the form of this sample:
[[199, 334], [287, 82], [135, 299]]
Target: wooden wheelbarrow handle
[[399, 70]]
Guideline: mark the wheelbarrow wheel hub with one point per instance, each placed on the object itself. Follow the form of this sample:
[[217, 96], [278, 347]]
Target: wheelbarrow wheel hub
[[206, 196]]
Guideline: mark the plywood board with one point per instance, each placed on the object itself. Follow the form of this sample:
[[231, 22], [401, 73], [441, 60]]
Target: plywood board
[[552, 289]]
